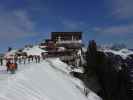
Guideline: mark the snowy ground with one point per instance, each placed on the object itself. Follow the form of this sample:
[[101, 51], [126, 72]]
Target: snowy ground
[[48, 80]]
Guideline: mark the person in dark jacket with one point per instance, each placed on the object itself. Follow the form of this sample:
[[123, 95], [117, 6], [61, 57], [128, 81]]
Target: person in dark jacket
[[8, 65], [1, 61]]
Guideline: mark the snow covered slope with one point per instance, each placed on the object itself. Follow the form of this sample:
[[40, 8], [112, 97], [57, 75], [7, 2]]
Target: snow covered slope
[[41, 82]]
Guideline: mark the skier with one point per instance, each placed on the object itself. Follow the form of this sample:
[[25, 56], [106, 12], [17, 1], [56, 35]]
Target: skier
[[24, 59], [8, 65], [13, 67], [39, 58], [19, 59], [1, 61], [15, 58], [36, 59]]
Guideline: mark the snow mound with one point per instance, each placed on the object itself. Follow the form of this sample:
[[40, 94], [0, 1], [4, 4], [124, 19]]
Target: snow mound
[[10, 54], [124, 53], [34, 50]]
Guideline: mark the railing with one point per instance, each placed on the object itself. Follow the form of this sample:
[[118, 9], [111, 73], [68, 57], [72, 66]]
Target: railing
[[69, 41]]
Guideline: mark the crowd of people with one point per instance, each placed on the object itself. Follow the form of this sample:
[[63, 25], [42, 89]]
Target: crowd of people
[[12, 63]]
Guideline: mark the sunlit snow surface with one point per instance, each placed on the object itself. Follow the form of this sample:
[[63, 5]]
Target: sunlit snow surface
[[48, 80], [35, 50]]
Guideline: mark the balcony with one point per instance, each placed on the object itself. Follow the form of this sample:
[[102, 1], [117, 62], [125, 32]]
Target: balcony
[[69, 42]]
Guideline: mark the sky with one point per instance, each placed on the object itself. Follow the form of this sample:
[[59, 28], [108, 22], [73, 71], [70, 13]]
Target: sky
[[30, 21]]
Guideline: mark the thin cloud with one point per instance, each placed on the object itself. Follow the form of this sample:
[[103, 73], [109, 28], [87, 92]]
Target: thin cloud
[[71, 25], [122, 9], [15, 24], [115, 30]]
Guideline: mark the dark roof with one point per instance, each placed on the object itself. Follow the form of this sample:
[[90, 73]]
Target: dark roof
[[66, 33]]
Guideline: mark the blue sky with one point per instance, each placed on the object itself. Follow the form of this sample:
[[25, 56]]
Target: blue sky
[[29, 21]]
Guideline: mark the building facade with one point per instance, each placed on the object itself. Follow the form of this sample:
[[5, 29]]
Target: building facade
[[67, 39]]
